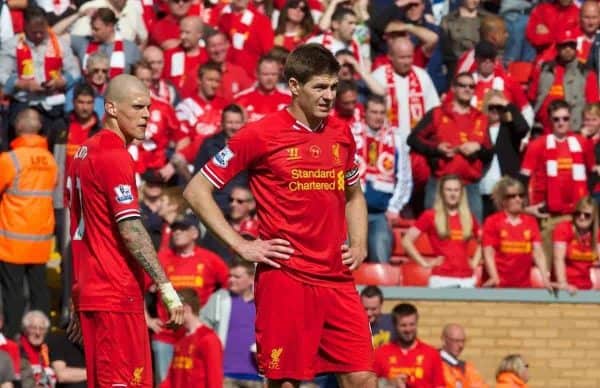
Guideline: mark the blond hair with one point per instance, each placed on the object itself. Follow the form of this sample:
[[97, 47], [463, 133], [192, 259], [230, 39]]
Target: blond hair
[[512, 363], [488, 96], [593, 108], [588, 201], [441, 212], [501, 188]]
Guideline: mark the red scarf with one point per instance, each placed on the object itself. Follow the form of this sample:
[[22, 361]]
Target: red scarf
[[328, 40], [117, 57], [416, 101], [39, 358], [52, 60], [578, 188], [376, 152], [163, 92], [240, 26]]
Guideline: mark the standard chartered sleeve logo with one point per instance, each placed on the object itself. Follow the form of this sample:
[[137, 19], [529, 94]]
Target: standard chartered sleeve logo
[[316, 180]]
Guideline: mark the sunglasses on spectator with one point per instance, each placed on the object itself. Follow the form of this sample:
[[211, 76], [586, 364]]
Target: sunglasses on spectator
[[514, 195], [464, 86], [96, 71], [180, 1], [557, 119], [238, 200], [497, 107], [585, 215]]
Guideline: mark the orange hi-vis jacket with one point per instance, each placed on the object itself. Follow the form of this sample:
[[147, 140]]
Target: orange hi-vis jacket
[[509, 380], [28, 175], [460, 374]]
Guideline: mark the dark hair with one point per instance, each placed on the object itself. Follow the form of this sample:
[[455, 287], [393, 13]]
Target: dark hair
[[190, 297], [346, 86], [280, 54], [33, 12], [209, 66], [141, 64], [372, 291], [340, 13], [307, 24], [375, 99], [233, 108], [556, 105], [83, 89], [247, 265], [105, 15], [267, 58], [309, 60], [460, 75], [402, 310], [344, 51]]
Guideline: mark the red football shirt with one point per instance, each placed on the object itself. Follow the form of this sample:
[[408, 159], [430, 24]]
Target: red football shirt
[[298, 177], [453, 248], [101, 192], [163, 30], [76, 135], [513, 245], [233, 80], [182, 70], [580, 254], [421, 364], [197, 361], [257, 103]]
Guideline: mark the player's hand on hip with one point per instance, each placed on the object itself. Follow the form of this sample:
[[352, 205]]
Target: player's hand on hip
[[74, 328], [353, 256], [264, 251]]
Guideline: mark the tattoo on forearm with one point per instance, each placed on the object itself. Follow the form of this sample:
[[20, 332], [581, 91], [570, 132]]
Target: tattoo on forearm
[[140, 246]]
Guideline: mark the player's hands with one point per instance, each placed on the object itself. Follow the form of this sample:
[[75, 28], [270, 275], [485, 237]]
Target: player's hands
[[435, 262], [173, 303], [166, 172], [571, 289], [264, 251], [469, 148], [175, 317], [353, 256], [446, 149], [491, 283], [154, 324], [74, 328], [536, 210], [391, 217]]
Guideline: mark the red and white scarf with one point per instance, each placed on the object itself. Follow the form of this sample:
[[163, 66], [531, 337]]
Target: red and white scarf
[[376, 154], [163, 92], [578, 188], [52, 59], [39, 358], [354, 47], [117, 58], [416, 101], [482, 86], [240, 27]]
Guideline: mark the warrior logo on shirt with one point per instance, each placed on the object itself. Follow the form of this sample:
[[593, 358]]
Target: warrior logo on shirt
[[223, 157], [124, 194], [275, 358]]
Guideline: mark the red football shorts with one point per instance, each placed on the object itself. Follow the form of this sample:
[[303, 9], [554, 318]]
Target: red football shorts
[[303, 330], [117, 349]]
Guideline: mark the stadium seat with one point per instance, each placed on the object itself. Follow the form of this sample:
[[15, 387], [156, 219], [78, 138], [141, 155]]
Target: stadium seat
[[595, 275], [378, 274], [397, 250], [415, 275]]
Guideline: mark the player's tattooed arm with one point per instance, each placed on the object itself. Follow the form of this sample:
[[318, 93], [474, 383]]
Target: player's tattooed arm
[[140, 246]]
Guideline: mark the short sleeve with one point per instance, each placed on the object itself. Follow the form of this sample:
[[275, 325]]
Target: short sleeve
[[117, 179], [57, 348], [351, 170], [562, 232], [438, 380], [242, 150], [379, 362], [490, 234], [425, 221], [529, 160]]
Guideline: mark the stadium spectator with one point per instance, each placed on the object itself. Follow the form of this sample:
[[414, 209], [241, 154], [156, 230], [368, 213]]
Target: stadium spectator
[[231, 313], [35, 350], [385, 176], [35, 70], [492, 31], [7, 371], [351, 70], [172, 205], [265, 96], [549, 21], [510, 239], [200, 115], [507, 129], [454, 139], [460, 31], [29, 175], [589, 24], [576, 247], [516, 15], [294, 25], [382, 326], [408, 361], [513, 372], [563, 78], [458, 373], [198, 356], [183, 61], [105, 37], [165, 33], [95, 75], [67, 361], [234, 77], [249, 32], [347, 108], [151, 204], [557, 167], [450, 227], [590, 127], [187, 265], [160, 88]]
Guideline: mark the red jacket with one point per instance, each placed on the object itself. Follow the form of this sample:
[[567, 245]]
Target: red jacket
[[556, 19]]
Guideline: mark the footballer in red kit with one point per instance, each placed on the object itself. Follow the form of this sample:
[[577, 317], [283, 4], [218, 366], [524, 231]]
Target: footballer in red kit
[[111, 248], [312, 228]]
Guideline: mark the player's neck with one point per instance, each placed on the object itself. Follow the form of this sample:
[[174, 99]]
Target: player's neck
[[312, 122], [113, 126]]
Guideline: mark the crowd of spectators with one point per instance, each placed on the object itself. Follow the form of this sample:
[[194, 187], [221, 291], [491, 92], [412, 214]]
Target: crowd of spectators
[[476, 122]]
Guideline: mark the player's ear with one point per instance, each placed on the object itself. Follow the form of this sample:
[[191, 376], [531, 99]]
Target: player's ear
[[294, 86], [110, 107]]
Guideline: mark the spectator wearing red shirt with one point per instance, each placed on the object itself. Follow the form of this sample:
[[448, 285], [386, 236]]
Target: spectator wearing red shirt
[[234, 78], [407, 361], [564, 78], [576, 247], [492, 30], [165, 33], [511, 239], [347, 108], [198, 356], [265, 96], [183, 61], [160, 87], [548, 21], [450, 227], [455, 140], [294, 25], [589, 23], [249, 31], [200, 115]]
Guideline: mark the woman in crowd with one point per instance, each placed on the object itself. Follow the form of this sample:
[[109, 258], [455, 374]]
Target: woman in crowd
[[295, 24], [576, 247], [513, 372], [591, 130], [450, 226], [511, 240]]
